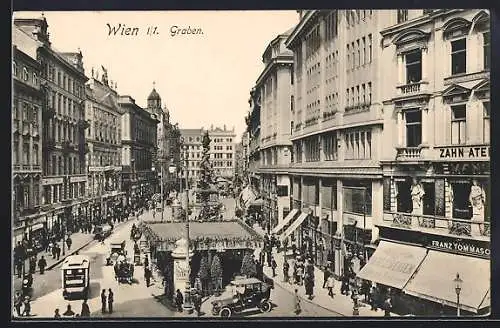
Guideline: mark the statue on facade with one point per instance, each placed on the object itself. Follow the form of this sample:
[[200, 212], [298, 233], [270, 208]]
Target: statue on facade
[[477, 198], [417, 193], [104, 78]]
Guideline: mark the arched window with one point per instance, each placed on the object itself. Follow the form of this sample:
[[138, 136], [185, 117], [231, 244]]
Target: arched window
[[14, 68], [25, 74]]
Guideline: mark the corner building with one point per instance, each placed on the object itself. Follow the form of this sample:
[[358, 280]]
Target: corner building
[[27, 105], [435, 160], [275, 88], [63, 149], [337, 126]]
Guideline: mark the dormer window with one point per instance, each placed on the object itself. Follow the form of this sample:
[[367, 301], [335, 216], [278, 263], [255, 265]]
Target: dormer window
[[25, 74]]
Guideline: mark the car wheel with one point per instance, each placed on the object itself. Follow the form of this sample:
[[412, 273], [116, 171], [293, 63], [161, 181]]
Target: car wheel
[[265, 307], [225, 313]]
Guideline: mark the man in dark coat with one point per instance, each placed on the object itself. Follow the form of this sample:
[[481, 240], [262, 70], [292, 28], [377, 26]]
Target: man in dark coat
[[273, 266], [42, 263], [111, 299], [179, 300], [147, 276], [103, 301], [85, 309], [326, 275], [33, 264]]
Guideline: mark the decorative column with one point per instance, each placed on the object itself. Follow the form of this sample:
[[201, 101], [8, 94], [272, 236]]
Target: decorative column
[[425, 53], [425, 125], [400, 69], [181, 259]]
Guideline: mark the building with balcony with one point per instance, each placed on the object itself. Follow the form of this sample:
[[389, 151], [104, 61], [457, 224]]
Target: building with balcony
[[62, 80], [253, 124], [27, 105], [436, 155], [168, 143], [337, 136], [103, 139], [275, 88], [139, 143], [222, 151]]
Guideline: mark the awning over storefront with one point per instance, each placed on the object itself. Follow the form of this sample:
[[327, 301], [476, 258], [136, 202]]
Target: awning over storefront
[[393, 264], [434, 280], [283, 223], [294, 226]]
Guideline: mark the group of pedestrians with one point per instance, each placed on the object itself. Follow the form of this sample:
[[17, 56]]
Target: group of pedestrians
[[69, 313], [23, 302]]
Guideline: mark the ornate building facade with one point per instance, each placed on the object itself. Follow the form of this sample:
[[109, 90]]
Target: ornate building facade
[[138, 127], [222, 151], [191, 142], [103, 137], [27, 104], [275, 88], [62, 80], [168, 144]]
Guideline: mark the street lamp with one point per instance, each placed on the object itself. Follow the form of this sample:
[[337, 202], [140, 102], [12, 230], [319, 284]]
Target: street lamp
[[188, 306], [458, 288]]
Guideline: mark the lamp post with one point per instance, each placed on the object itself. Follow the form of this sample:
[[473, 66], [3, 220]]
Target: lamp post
[[458, 288], [188, 306]]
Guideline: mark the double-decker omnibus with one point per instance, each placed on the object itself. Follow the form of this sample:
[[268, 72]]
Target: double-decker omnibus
[[76, 276]]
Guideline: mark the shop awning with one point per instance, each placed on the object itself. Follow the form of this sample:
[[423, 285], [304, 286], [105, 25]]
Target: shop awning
[[393, 264], [434, 280], [294, 226], [283, 223]]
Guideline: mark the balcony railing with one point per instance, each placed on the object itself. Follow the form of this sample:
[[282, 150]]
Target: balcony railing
[[311, 121], [412, 88], [457, 227], [329, 115], [408, 153], [360, 108]]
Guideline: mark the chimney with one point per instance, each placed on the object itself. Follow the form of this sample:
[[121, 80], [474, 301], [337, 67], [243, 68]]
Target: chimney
[[211, 127], [224, 127]]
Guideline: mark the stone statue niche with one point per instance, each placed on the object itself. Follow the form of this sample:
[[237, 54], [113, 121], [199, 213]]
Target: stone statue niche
[[477, 197], [417, 195]]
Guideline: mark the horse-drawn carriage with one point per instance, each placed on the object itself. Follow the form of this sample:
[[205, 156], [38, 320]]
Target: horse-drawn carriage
[[124, 271]]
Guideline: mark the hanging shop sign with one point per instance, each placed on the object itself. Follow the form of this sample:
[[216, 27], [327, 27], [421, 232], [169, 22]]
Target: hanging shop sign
[[467, 247], [463, 153]]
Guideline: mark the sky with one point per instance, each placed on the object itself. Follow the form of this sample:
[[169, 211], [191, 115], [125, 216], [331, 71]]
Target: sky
[[203, 79]]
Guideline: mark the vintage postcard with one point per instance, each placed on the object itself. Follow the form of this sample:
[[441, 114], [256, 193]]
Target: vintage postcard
[[250, 164]]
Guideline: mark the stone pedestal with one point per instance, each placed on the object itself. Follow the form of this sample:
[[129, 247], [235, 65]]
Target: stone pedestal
[[181, 270]]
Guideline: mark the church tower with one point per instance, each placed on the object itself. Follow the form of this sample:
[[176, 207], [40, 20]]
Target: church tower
[[154, 101]]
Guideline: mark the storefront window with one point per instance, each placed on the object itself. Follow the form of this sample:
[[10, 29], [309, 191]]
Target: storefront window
[[357, 197], [461, 206], [404, 204]]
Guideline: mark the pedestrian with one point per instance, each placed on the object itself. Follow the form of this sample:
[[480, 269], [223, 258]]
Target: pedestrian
[[54, 251], [18, 302], [330, 284], [294, 249], [273, 266], [111, 299], [33, 264], [300, 272], [388, 304], [179, 300], [146, 261], [365, 290], [58, 252], [286, 269], [373, 297], [27, 306], [147, 276], [69, 242], [296, 298], [103, 301], [56, 314], [326, 275], [42, 263], [85, 312], [197, 303], [69, 312]]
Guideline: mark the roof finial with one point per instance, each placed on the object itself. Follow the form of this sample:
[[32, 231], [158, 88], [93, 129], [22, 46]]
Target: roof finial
[[154, 84], [43, 14]]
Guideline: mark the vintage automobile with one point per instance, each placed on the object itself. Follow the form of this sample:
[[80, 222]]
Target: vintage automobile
[[242, 294], [124, 271], [117, 249], [102, 231]]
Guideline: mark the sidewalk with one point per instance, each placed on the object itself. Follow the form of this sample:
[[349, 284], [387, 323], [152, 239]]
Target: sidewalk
[[341, 304]]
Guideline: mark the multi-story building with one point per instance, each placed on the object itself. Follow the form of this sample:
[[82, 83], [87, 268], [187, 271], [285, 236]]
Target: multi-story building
[[253, 148], [62, 80], [435, 159], [275, 88], [239, 162], [337, 126], [222, 147], [138, 128], [167, 143], [192, 143], [103, 137], [27, 104]]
